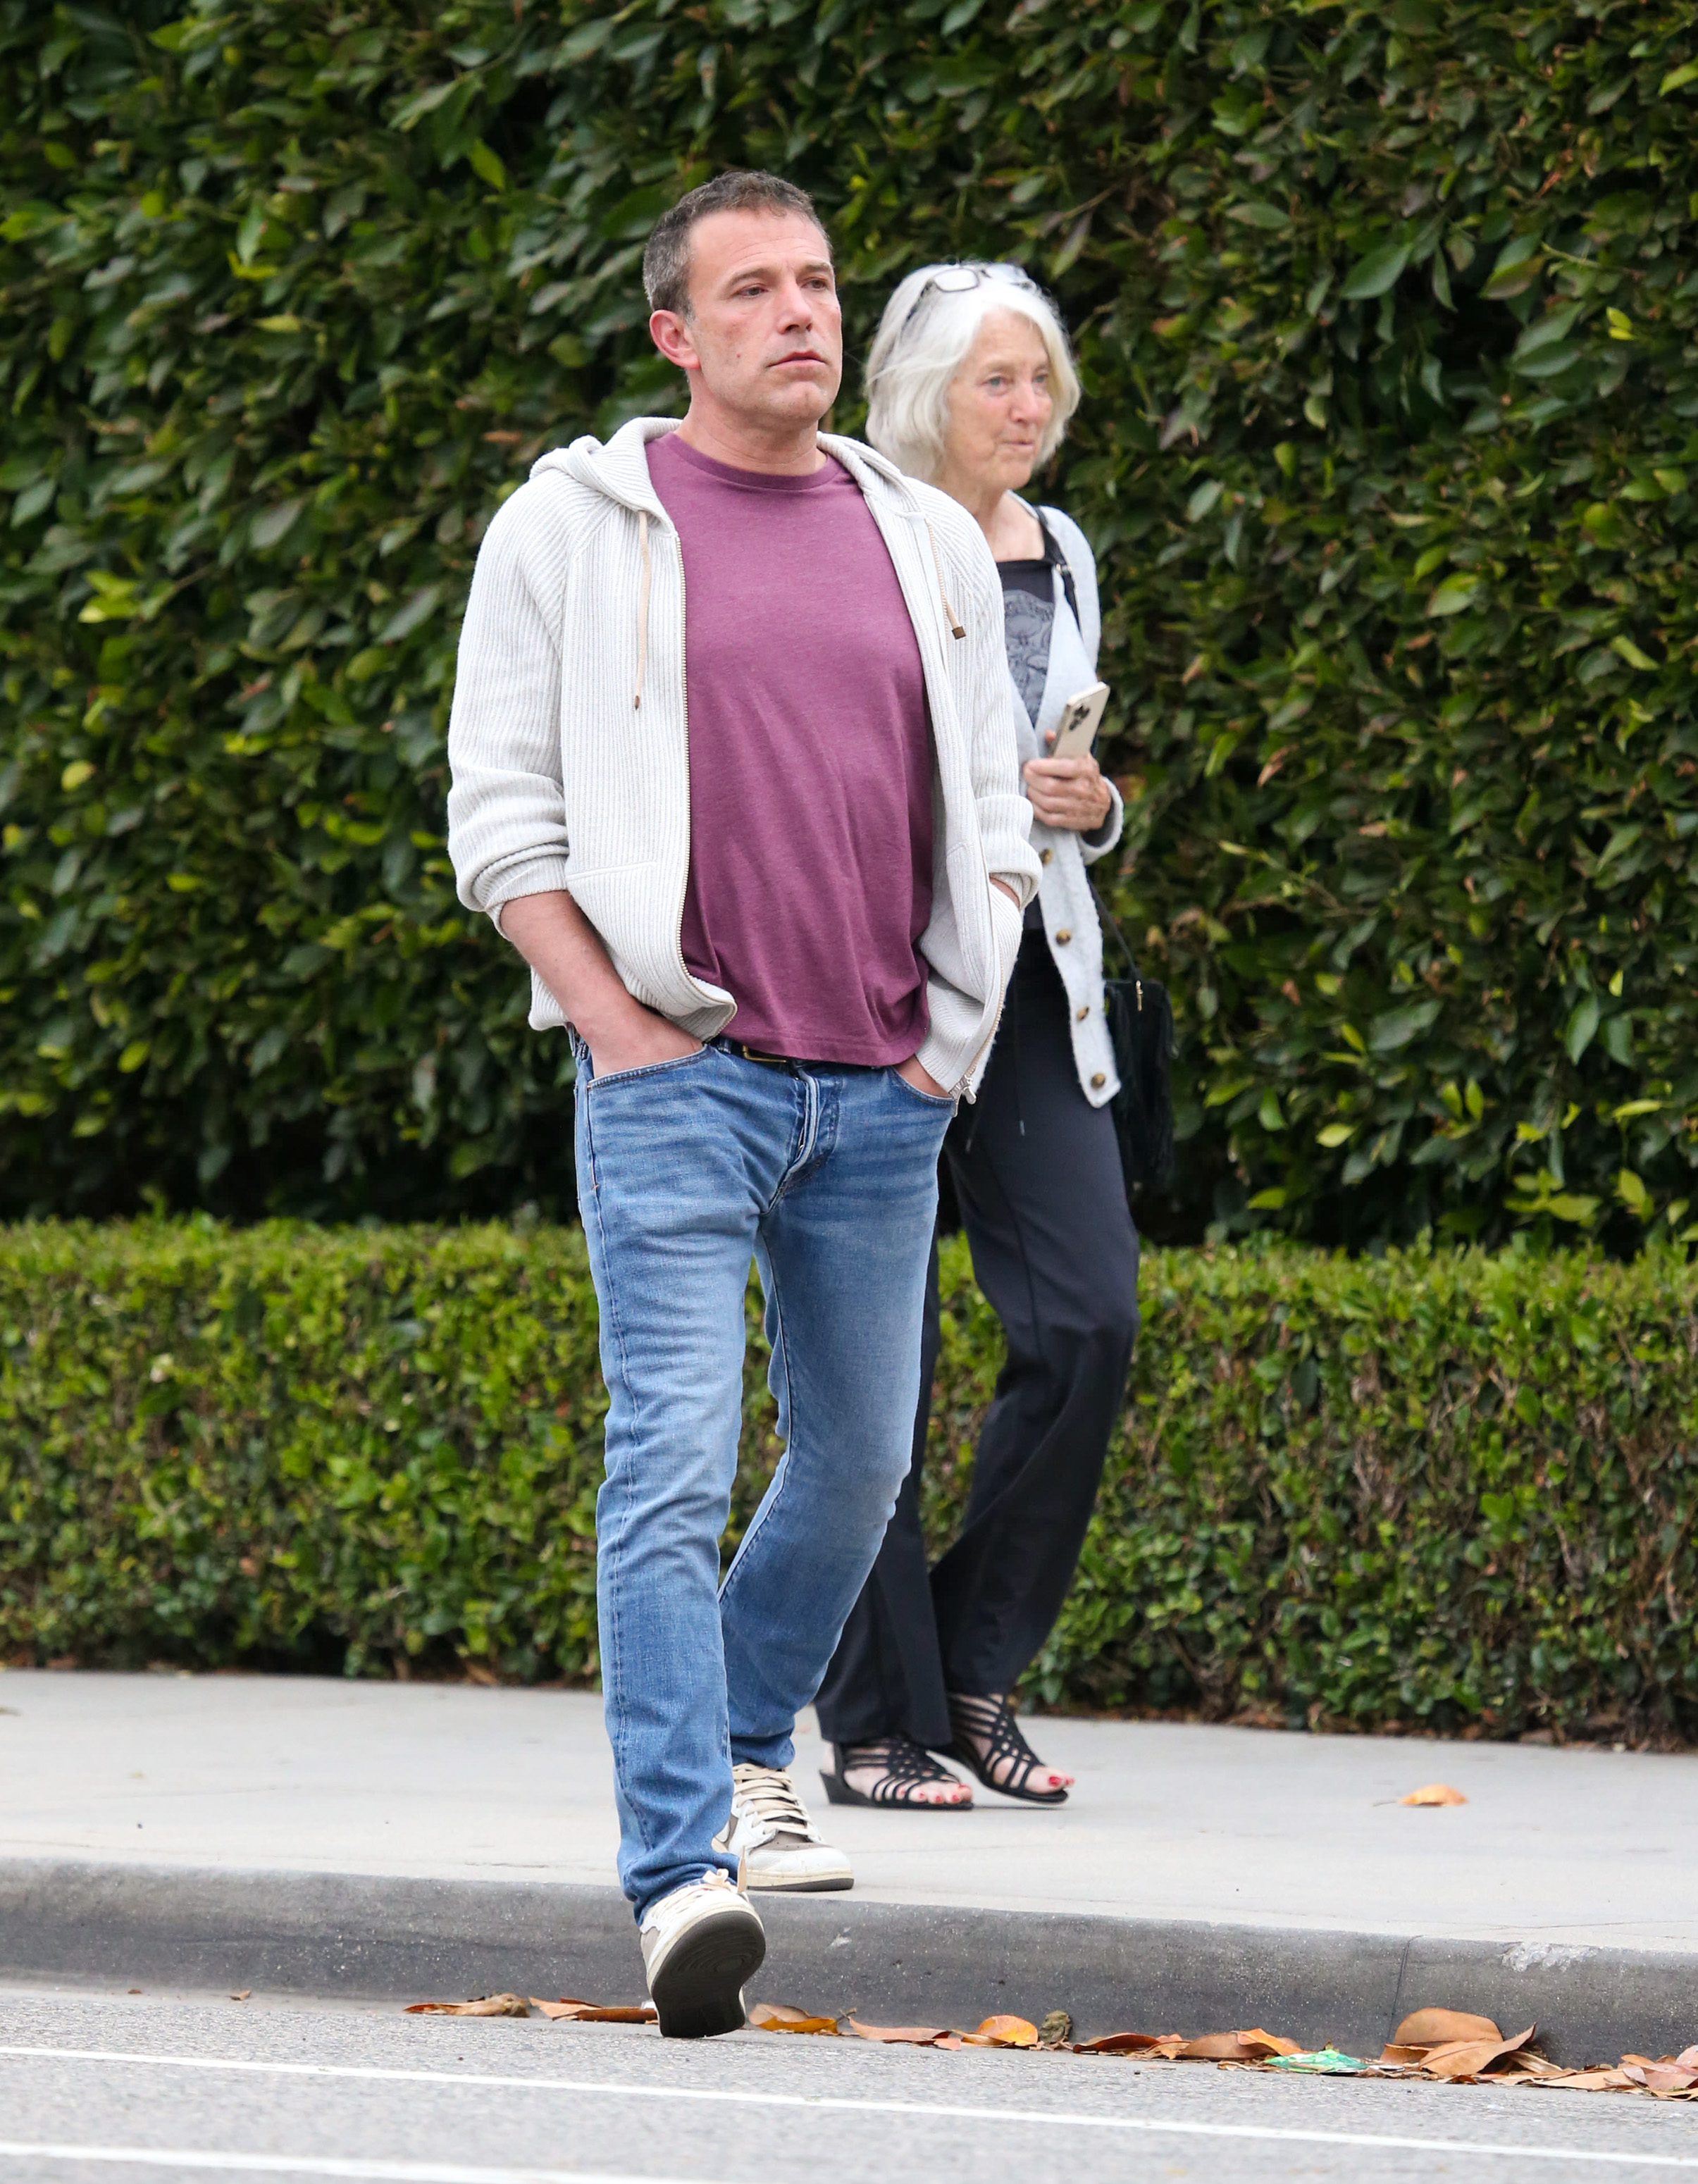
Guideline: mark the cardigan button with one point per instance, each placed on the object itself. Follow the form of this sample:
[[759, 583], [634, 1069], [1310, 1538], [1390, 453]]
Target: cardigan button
[[1044, 856], [1099, 1081], [1064, 936], [1079, 1015]]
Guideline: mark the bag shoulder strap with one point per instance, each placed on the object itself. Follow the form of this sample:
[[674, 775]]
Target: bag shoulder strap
[[1057, 559], [1110, 919]]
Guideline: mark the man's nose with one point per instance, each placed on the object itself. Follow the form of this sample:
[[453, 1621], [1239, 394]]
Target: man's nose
[[795, 305]]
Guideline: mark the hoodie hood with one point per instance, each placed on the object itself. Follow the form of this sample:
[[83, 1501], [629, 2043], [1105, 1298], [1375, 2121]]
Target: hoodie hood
[[619, 468]]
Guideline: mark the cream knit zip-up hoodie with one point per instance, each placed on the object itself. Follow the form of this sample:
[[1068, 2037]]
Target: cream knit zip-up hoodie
[[569, 742]]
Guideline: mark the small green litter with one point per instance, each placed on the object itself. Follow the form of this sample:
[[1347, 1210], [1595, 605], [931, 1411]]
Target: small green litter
[[1324, 2062]]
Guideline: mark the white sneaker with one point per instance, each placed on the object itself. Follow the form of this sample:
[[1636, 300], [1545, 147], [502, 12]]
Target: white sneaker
[[770, 1831], [699, 1944]]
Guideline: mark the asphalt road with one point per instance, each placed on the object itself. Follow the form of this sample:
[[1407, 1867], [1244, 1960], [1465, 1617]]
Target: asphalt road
[[95, 2087]]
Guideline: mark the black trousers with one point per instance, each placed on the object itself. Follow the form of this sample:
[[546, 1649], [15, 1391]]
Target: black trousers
[[1038, 1178]]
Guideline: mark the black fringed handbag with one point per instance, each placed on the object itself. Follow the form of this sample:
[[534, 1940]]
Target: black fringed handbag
[[1140, 1022]]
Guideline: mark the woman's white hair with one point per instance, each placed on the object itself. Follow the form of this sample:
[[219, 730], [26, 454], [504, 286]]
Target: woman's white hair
[[922, 341]]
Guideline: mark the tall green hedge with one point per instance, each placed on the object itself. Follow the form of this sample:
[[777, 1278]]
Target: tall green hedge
[[1389, 325], [1445, 1489]]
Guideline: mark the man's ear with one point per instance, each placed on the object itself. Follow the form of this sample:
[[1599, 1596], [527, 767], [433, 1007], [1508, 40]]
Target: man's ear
[[671, 334]]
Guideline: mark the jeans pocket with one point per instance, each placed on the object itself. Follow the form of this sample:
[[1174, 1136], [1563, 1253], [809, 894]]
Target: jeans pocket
[[673, 1062], [944, 1102]]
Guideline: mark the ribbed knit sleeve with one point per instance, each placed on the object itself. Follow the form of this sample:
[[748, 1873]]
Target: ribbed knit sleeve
[[507, 813]]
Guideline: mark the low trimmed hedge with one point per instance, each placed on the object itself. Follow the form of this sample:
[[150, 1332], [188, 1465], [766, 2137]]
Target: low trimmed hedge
[[1443, 1490]]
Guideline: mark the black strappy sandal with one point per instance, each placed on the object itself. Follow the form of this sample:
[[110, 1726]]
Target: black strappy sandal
[[992, 1720], [905, 1764]]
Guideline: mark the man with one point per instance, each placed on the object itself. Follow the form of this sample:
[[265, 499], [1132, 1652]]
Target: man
[[734, 770]]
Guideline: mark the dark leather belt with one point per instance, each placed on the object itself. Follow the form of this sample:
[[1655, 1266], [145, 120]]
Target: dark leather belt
[[785, 1060]]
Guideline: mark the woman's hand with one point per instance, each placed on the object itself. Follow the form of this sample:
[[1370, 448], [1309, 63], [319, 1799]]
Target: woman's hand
[[1069, 792]]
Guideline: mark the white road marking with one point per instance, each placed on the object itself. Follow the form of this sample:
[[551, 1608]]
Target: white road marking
[[308, 2164], [837, 2103]]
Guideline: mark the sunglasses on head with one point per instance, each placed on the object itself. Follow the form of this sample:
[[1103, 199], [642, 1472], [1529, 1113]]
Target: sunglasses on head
[[958, 280]]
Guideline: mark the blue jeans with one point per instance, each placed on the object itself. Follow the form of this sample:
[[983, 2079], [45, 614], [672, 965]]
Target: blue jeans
[[828, 1178]]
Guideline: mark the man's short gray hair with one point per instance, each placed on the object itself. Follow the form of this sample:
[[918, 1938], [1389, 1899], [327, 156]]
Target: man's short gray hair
[[924, 337], [666, 259]]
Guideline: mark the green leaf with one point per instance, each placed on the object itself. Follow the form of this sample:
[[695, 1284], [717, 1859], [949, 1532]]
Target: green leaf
[[274, 523], [1678, 78], [1203, 499], [1254, 213], [407, 618], [485, 162], [1582, 1024], [1335, 1134], [1372, 275], [1395, 1027], [1454, 596]]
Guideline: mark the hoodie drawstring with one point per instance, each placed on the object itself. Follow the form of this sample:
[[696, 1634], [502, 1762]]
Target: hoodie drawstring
[[950, 615], [643, 610]]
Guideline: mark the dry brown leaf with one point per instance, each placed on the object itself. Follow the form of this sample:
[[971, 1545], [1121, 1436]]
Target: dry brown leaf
[[241, 1994], [1688, 2058], [1468, 2058], [1274, 2043], [1002, 2033], [1612, 2080], [1433, 1793], [596, 2013], [1659, 2077], [905, 2036], [1433, 2028], [1129, 2043], [1252, 2046], [488, 2005], [781, 2017], [1392, 2053]]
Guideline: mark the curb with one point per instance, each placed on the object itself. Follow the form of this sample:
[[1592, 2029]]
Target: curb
[[408, 1940]]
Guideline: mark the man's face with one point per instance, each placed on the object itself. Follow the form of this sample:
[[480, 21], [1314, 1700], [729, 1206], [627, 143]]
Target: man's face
[[766, 329]]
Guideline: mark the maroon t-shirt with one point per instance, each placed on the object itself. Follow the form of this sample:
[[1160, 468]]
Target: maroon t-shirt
[[810, 761]]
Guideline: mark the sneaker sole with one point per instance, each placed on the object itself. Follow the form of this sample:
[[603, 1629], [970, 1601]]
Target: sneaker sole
[[806, 1885], [697, 1992]]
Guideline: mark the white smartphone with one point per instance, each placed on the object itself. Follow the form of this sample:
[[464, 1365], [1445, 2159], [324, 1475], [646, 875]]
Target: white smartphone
[[1081, 717]]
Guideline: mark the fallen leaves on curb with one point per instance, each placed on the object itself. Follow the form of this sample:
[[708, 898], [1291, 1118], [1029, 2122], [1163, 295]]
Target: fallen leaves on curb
[[1455, 2046], [596, 2013], [1433, 1793], [993, 2032]]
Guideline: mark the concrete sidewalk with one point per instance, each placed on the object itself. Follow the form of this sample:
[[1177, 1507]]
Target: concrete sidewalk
[[1194, 1867]]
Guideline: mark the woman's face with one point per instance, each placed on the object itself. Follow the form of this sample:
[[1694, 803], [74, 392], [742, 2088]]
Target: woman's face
[[999, 404]]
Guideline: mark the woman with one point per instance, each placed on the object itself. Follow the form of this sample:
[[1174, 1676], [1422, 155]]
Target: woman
[[971, 386]]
